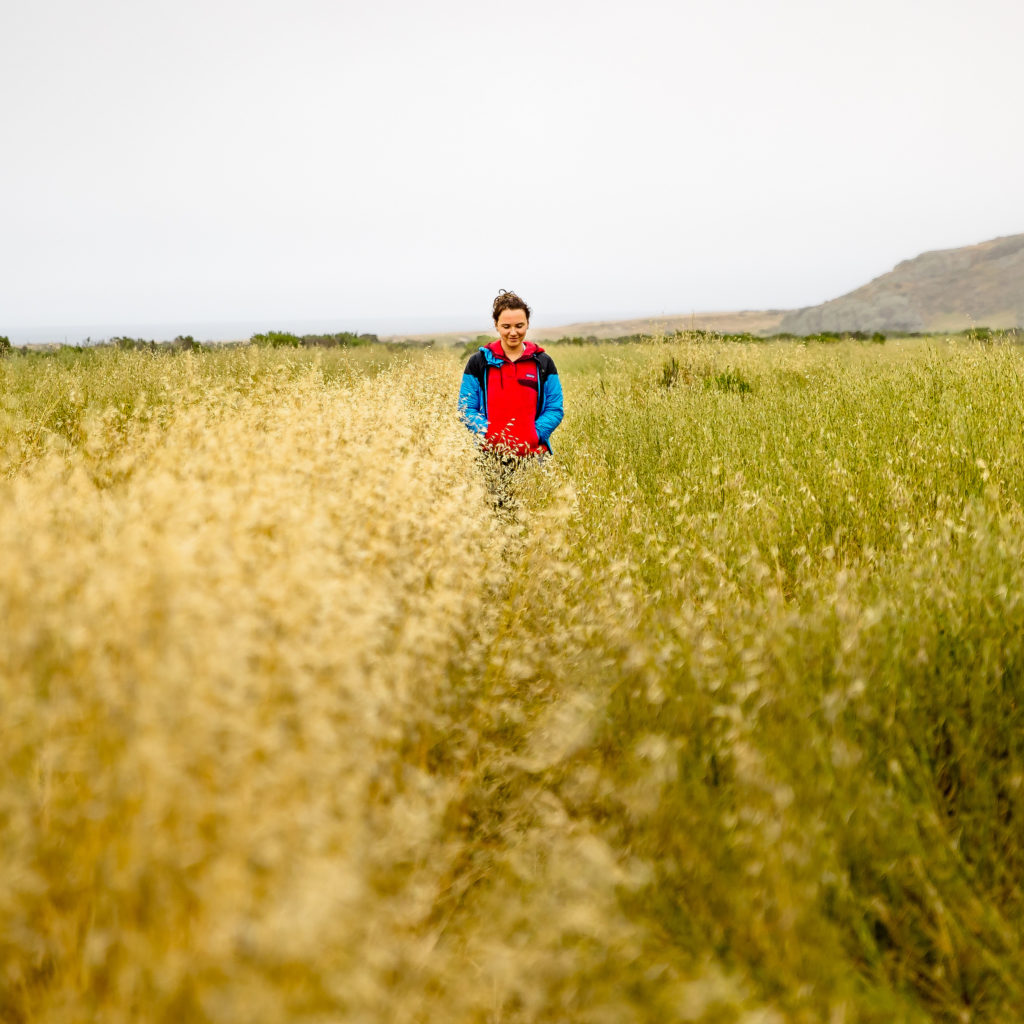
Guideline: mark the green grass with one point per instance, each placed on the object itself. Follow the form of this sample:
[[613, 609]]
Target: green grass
[[813, 598]]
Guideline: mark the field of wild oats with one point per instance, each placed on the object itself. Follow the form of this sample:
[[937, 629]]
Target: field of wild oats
[[724, 724]]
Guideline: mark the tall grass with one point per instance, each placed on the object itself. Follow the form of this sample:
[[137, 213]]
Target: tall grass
[[723, 725]]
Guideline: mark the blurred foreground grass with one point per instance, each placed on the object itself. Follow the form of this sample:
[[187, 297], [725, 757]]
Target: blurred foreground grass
[[725, 727]]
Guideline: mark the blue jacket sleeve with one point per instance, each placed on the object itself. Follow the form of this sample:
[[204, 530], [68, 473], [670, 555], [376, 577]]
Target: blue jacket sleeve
[[553, 411], [471, 404]]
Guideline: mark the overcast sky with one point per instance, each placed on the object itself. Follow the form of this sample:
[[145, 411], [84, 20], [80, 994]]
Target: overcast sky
[[213, 160]]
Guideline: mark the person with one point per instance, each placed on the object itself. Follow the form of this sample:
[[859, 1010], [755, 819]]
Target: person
[[510, 396]]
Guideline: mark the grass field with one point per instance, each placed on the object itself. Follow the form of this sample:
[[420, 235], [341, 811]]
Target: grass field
[[725, 725]]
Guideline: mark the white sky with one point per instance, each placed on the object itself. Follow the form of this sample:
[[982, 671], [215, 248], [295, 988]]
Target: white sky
[[217, 160]]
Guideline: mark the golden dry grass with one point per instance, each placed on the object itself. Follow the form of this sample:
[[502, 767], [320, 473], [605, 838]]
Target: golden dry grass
[[225, 644], [724, 725]]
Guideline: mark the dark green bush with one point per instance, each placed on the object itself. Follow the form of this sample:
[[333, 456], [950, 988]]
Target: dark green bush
[[276, 339], [343, 339], [730, 380], [285, 339], [670, 373]]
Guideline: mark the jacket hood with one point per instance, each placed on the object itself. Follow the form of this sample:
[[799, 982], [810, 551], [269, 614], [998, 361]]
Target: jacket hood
[[495, 349]]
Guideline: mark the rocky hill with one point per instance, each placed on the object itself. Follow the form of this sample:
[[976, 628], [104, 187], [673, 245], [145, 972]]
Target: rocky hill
[[946, 290]]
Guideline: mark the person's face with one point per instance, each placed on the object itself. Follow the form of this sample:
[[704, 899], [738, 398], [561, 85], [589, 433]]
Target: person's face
[[512, 326]]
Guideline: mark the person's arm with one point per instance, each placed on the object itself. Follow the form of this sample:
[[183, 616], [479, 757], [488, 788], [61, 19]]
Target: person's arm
[[471, 402], [553, 411]]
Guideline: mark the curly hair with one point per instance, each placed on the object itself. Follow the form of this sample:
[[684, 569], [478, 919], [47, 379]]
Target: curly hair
[[509, 300]]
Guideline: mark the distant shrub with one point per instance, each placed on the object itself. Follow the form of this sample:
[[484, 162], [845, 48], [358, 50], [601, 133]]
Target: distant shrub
[[5, 345], [730, 380], [671, 337], [979, 334], [480, 341], [990, 335], [826, 337], [343, 339], [670, 373], [276, 339], [285, 339]]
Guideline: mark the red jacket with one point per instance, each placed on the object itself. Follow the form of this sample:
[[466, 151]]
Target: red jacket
[[512, 390]]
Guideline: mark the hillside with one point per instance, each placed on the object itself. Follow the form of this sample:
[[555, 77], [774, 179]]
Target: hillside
[[945, 290]]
